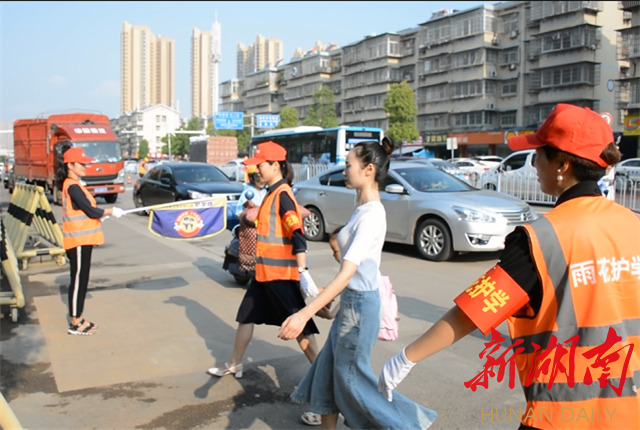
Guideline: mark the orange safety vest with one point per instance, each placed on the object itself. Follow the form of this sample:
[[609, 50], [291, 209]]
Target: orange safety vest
[[274, 257], [77, 228], [589, 265]]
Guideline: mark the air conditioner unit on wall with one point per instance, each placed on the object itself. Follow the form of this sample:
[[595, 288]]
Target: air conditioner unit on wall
[[495, 41], [493, 73], [512, 66], [491, 106], [513, 34]]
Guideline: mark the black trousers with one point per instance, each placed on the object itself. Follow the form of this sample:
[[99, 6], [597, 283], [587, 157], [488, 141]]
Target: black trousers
[[80, 264]]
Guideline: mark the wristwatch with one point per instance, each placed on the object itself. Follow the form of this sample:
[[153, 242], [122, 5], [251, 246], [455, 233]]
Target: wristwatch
[[302, 269]]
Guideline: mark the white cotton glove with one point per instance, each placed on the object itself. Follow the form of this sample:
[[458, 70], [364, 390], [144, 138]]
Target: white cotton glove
[[393, 372], [308, 287], [117, 212]]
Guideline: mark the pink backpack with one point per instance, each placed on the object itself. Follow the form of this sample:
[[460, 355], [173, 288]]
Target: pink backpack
[[388, 311]]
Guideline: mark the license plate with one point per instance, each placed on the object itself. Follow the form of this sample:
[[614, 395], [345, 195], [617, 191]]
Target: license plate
[[100, 190]]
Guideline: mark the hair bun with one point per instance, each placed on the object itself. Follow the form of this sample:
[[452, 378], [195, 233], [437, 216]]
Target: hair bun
[[387, 145]]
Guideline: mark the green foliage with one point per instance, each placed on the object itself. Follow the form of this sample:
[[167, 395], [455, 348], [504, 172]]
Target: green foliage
[[143, 148], [244, 137], [323, 110], [401, 110], [193, 124], [288, 117]]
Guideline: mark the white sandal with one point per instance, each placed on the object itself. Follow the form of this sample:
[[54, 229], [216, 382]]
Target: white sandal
[[311, 419], [226, 370]]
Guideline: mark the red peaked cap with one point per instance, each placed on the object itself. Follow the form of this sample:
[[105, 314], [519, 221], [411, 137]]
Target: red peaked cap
[[267, 151], [573, 129], [76, 155]]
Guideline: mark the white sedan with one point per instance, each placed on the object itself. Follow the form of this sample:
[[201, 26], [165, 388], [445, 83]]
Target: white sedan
[[473, 168], [628, 173]]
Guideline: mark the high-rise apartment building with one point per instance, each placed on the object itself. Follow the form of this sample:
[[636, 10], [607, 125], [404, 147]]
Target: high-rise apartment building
[[265, 52], [205, 63], [147, 69]]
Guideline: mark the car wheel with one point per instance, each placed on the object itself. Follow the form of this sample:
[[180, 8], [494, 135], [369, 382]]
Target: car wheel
[[433, 240], [313, 225], [137, 201], [490, 187]]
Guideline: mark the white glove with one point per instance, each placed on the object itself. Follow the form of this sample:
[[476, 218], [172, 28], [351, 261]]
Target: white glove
[[117, 212], [393, 372], [308, 288]]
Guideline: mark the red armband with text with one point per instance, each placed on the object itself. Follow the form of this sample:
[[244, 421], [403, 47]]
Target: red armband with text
[[291, 222], [493, 298]]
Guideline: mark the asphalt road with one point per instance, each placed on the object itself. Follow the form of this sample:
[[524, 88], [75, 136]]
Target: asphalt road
[[166, 313]]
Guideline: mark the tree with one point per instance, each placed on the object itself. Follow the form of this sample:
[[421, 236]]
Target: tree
[[143, 148], [323, 109], [288, 117], [180, 142], [400, 106]]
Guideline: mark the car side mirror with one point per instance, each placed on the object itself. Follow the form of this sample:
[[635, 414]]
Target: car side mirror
[[394, 189]]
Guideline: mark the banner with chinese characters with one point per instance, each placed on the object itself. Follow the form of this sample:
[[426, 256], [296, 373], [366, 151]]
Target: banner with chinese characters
[[189, 220]]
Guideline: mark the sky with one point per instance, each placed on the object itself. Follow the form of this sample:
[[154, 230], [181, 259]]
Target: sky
[[63, 56]]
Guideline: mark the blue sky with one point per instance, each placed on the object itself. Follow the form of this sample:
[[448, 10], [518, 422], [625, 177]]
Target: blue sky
[[66, 55]]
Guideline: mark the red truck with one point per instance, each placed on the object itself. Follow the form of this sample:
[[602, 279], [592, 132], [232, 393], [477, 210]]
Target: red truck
[[39, 144]]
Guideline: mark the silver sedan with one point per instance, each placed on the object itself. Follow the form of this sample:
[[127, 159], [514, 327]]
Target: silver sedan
[[426, 207]]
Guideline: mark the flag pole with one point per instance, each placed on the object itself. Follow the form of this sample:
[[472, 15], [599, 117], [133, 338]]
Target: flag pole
[[180, 202]]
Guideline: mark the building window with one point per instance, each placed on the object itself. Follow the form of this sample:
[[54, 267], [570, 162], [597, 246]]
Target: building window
[[509, 89], [568, 75], [508, 119], [467, 119]]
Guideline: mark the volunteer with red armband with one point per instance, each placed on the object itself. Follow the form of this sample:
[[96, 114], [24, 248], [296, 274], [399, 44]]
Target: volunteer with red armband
[[571, 275]]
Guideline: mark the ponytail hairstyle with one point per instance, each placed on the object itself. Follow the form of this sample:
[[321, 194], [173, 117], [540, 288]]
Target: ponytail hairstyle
[[286, 170], [372, 152]]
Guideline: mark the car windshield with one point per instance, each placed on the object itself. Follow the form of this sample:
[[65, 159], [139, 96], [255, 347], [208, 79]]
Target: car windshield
[[431, 180], [204, 173]]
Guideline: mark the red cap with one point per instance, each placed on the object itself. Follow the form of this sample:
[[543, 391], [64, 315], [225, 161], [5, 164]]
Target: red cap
[[76, 155], [573, 129], [267, 151]]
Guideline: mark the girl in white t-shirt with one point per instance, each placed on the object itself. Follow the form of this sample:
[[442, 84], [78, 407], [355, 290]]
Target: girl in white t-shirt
[[340, 379]]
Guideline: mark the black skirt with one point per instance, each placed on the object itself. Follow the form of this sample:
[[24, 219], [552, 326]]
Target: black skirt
[[271, 303]]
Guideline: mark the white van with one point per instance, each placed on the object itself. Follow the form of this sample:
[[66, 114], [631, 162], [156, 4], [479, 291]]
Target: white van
[[516, 175]]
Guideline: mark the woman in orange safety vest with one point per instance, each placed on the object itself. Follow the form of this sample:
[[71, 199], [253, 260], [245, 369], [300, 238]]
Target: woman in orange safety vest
[[280, 270], [569, 286], [81, 230]]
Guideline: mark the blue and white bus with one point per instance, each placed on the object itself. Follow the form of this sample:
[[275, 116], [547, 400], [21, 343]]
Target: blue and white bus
[[311, 150], [312, 145]]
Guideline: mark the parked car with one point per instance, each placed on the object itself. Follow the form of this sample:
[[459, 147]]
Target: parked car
[[489, 160], [130, 167], [516, 175], [174, 181], [426, 207], [234, 169], [441, 164], [627, 173], [8, 169], [471, 167]]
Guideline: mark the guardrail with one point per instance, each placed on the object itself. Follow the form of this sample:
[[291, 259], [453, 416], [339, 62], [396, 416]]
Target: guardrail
[[526, 187], [29, 210], [9, 269]]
